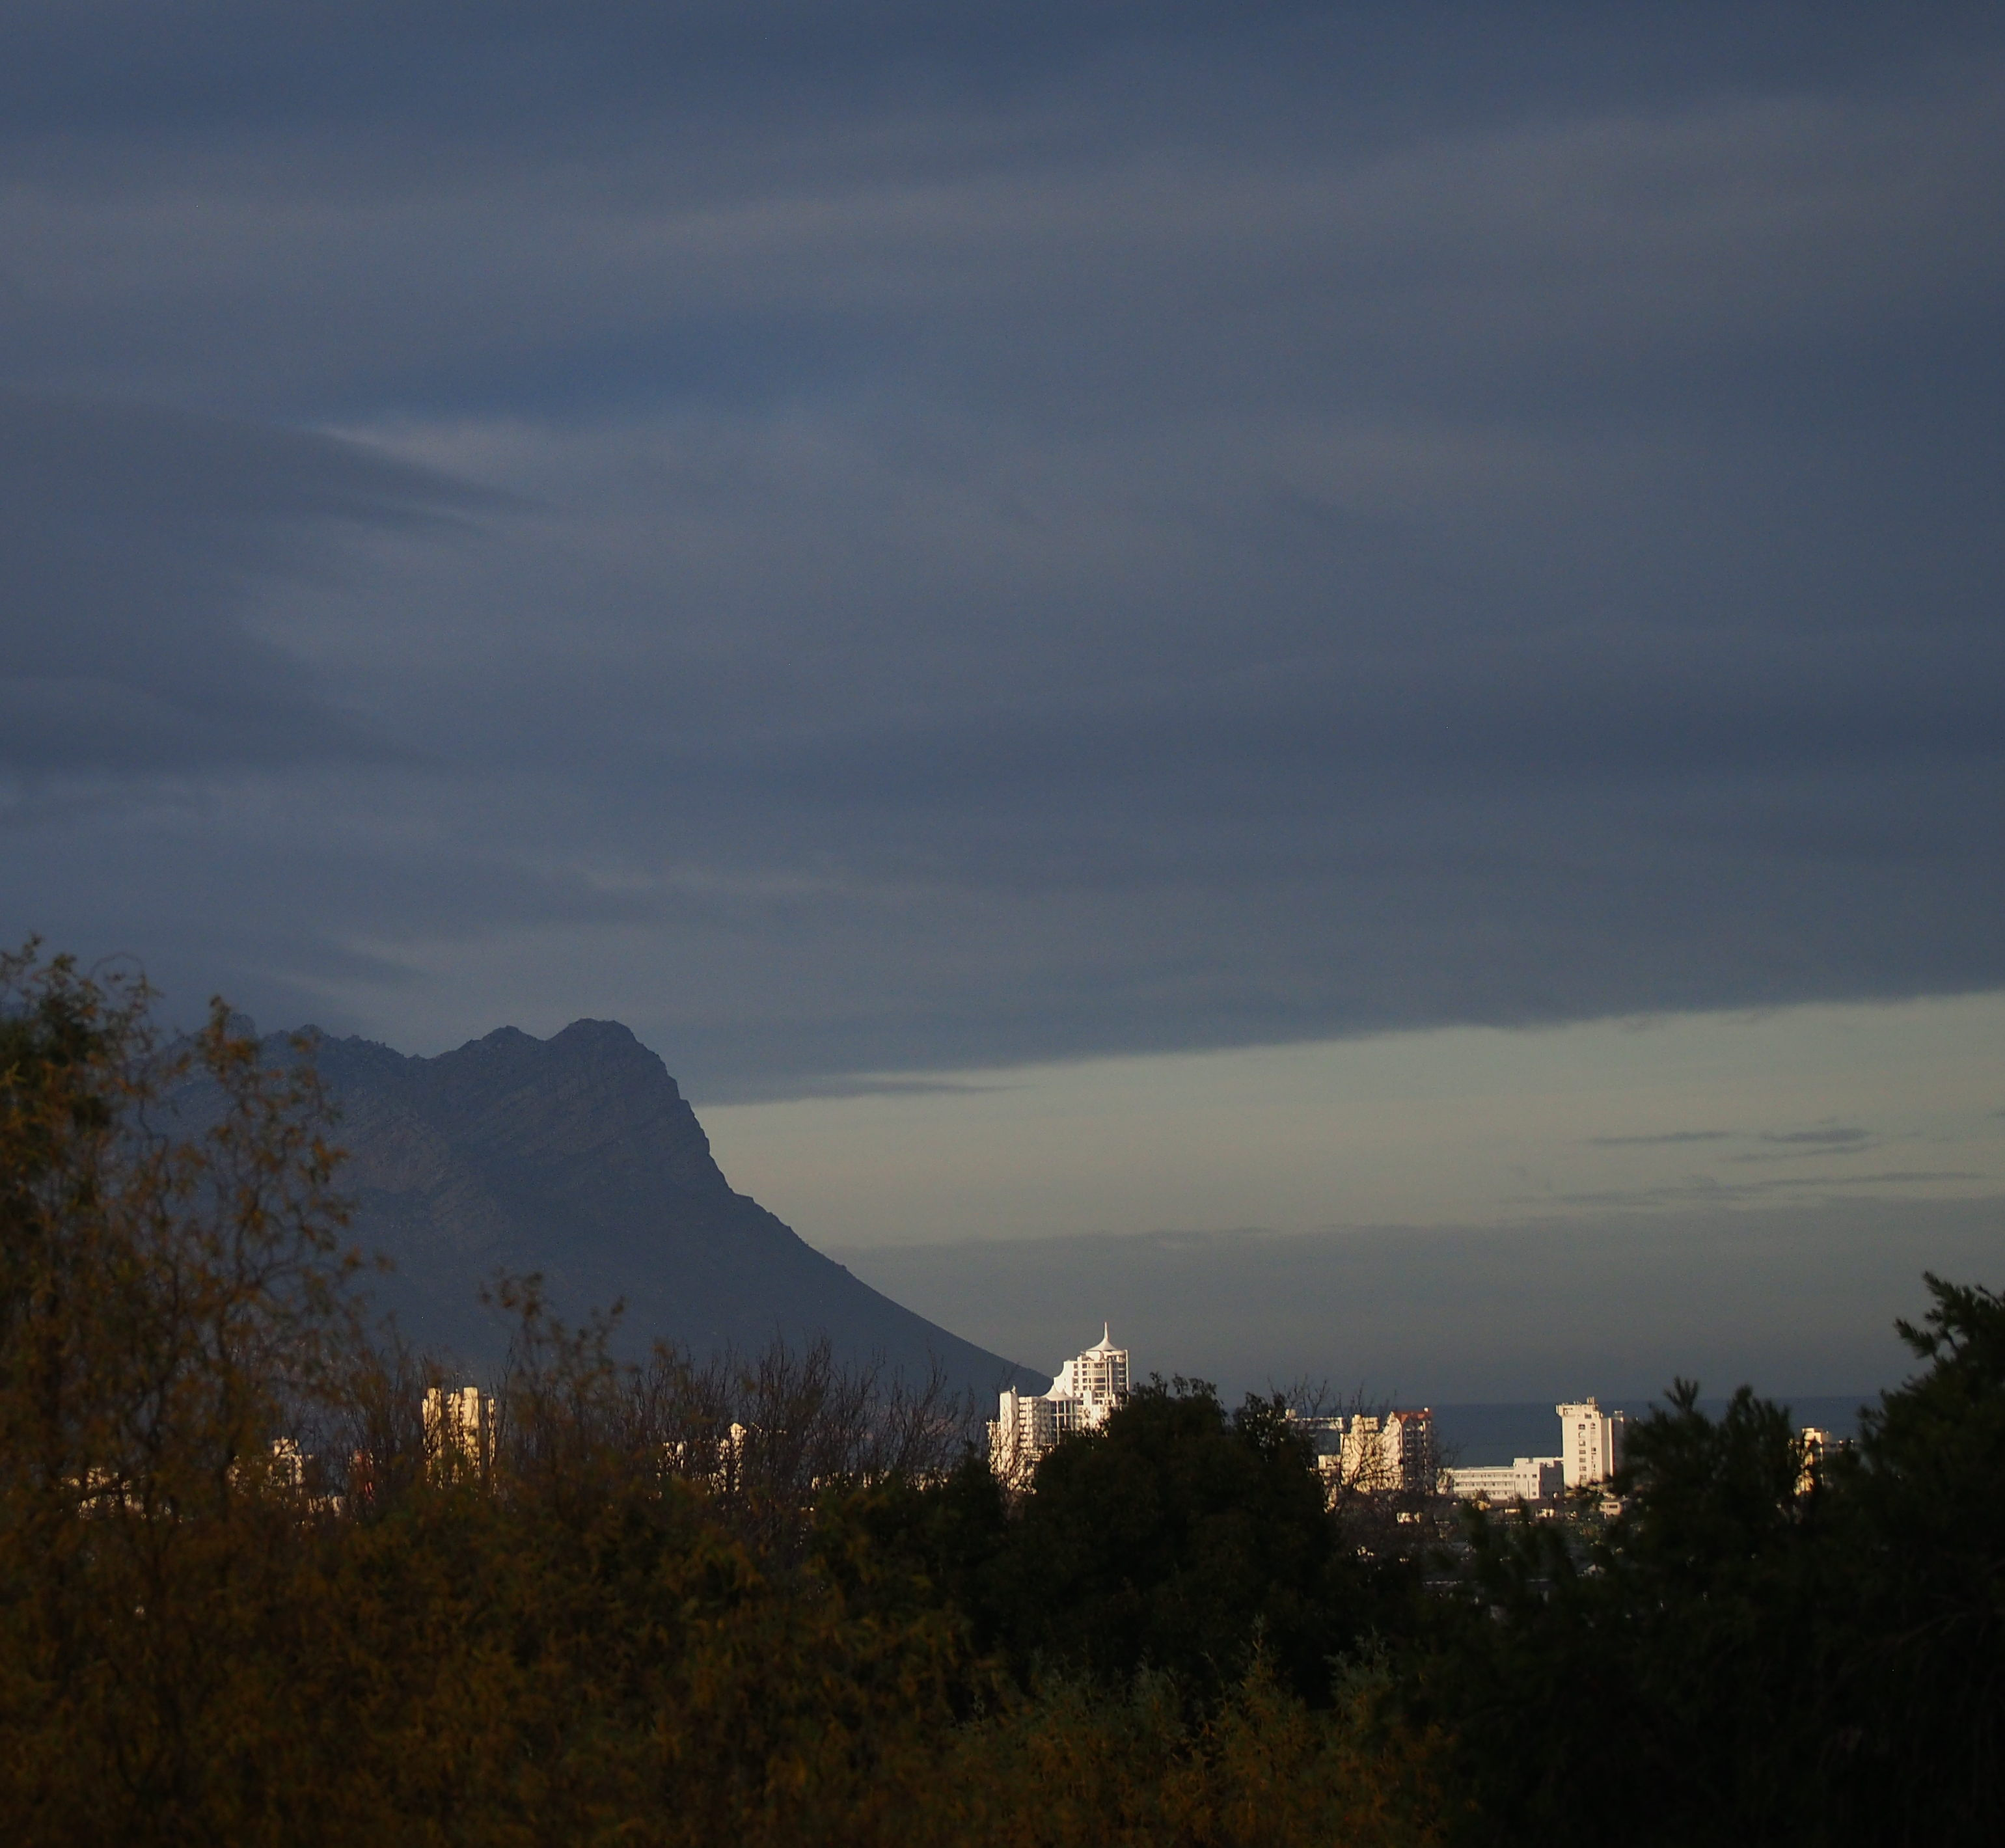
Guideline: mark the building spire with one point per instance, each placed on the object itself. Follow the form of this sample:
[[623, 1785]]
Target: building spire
[[1087, 1389]]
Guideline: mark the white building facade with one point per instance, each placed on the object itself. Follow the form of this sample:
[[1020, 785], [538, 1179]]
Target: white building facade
[[1371, 1454], [459, 1430], [1590, 1443], [1526, 1479], [1087, 1389], [1820, 1445]]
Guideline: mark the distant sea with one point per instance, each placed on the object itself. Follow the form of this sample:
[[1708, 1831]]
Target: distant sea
[[1476, 1436]]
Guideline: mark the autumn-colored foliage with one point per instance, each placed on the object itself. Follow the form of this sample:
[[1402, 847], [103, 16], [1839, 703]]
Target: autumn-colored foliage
[[250, 1592], [629, 1622]]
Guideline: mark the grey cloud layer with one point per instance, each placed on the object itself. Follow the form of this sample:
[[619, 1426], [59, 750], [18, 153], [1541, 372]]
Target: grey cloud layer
[[137, 541], [1047, 534]]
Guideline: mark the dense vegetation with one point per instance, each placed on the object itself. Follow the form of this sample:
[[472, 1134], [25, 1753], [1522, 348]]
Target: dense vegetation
[[766, 1603]]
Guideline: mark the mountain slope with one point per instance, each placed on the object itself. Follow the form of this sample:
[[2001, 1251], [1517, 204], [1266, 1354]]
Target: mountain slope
[[578, 1156]]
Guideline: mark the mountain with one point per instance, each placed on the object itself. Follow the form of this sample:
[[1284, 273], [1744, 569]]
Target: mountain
[[578, 1156]]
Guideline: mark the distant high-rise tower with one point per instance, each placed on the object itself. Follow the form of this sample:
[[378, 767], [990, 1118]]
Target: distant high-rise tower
[[1088, 1387], [1590, 1443], [459, 1430], [1366, 1452]]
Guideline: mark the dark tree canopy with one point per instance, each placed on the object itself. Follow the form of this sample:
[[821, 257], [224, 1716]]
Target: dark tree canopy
[[1181, 1537], [248, 1594], [1754, 1649]]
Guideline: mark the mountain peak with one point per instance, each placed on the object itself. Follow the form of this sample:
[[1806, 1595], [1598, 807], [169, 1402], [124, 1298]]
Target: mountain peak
[[588, 1031], [577, 1156], [592, 1091]]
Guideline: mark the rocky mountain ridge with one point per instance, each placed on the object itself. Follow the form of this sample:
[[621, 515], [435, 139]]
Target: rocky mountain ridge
[[578, 1157]]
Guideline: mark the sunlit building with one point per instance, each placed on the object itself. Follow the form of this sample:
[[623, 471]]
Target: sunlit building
[[1590, 1454], [1526, 1479], [1374, 1454], [1820, 1445], [459, 1430], [289, 1463], [1590, 1443], [1088, 1387]]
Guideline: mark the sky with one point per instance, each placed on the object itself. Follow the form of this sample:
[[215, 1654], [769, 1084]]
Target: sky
[[1347, 626]]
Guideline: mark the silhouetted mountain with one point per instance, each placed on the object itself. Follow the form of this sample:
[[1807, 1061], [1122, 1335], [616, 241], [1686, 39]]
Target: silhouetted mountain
[[577, 1156]]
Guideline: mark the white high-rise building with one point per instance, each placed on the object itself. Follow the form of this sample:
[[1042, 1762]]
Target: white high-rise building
[[459, 1430], [1367, 1454], [1820, 1446], [1590, 1443], [1380, 1455], [1099, 1376], [1088, 1387]]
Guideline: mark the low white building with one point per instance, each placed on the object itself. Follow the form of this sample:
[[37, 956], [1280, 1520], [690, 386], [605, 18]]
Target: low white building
[[1590, 1443], [1590, 1454], [1087, 1389], [1526, 1479]]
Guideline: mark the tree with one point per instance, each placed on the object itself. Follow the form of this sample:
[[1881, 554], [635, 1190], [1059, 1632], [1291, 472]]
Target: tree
[[1655, 1669], [1187, 1540], [1749, 1652], [169, 1303], [1917, 1696], [675, 1605]]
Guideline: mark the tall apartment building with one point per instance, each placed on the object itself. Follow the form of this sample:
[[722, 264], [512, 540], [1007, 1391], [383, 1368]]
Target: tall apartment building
[[1374, 1455], [1088, 1387], [1820, 1445], [1590, 1453], [1380, 1455], [459, 1429], [1590, 1443], [1407, 1449], [289, 1463]]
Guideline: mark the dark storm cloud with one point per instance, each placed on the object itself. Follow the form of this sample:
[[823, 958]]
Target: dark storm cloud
[[135, 541], [1029, 532], [1105, 221]]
